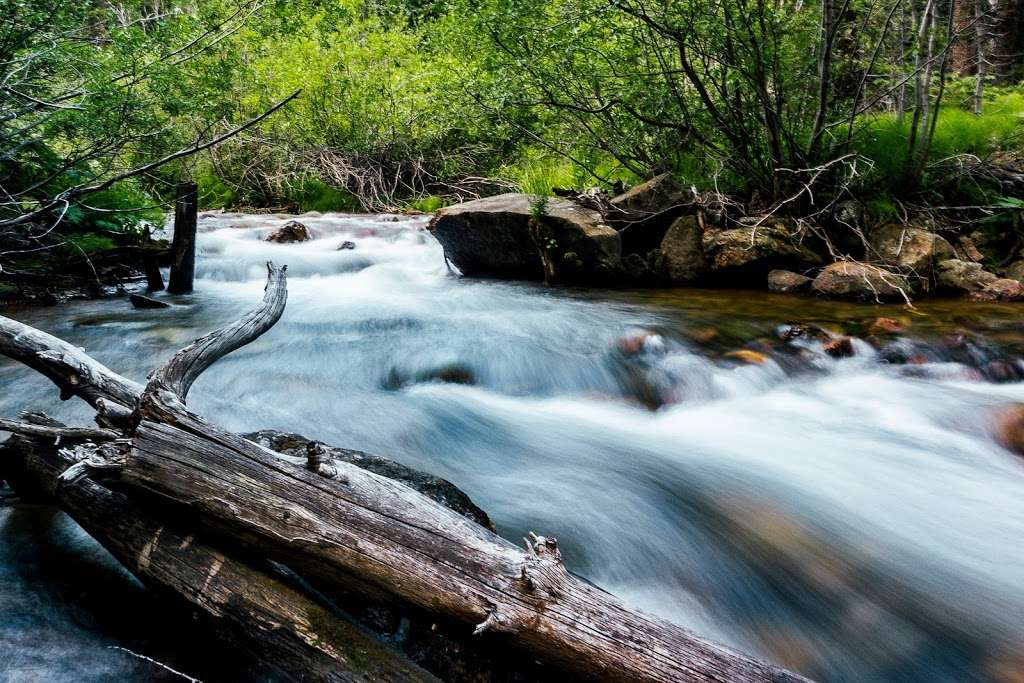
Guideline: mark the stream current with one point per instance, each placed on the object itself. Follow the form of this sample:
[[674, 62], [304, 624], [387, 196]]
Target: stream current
[[851, 518]]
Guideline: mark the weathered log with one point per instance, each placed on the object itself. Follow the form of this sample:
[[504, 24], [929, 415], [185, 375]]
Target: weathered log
[[278, 627], [358, 527]]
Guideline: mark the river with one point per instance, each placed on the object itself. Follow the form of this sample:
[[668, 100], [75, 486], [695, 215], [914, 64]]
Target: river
[[851, 518]]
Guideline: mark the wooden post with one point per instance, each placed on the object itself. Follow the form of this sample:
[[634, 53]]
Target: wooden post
[[183, 247]]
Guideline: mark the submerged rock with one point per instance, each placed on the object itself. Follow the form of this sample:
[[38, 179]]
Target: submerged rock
[[452, 373], [440, 490], [512, 236], [883, 326], [1009, 427], [680, 259], [788, 282], [856, 280], [839, 347], [292, 231], [956, 276], [139, 301], [346, 245]]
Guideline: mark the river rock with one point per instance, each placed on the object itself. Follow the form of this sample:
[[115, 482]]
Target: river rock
[[883, 326], [492, 237], [637, 269], [910, 250], [954, 275], [139, 301], [1009, 427], [643, 214], [657, 195], [680, 258], [441, 490], [1015, 271], [967, 249], [1003, 289], [856, 280], [749, 253], [788, 282], [346, 246], [292, 231]]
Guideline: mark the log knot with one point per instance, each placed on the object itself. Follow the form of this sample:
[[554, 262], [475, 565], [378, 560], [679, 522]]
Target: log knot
[[317, 460], [542, 574], [106, 459]]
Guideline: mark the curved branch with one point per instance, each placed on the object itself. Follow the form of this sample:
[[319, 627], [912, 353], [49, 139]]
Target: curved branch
[[179, 373], [74, 372]]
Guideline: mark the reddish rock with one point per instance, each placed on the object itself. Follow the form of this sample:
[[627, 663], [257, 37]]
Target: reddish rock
[[880, 326], [1003, 289], [840, 347], [1009, 427]]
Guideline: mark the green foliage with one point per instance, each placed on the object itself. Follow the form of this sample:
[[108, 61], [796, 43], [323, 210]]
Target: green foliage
[[88, 243], [315, 195], [883, 138], [428, 204], [538, 207]]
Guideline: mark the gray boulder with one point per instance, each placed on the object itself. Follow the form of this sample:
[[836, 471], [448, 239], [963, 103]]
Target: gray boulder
[[960, 277], [788, 282], [912, 251], [513, 236], [680, 258], [749, 253], [856, 280]]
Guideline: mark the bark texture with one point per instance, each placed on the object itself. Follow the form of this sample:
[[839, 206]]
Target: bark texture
[[281, 630]]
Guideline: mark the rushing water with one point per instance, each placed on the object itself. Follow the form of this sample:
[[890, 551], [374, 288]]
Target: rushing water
[[851, 518]]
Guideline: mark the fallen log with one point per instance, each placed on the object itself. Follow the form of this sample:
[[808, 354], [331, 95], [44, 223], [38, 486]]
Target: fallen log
[[280, 629], [345, 526]]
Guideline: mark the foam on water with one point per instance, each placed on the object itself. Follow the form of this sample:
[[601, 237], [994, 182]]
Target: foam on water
[[849, 518]]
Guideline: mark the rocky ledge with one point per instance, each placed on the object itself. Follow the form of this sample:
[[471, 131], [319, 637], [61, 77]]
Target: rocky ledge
[[665, 235]]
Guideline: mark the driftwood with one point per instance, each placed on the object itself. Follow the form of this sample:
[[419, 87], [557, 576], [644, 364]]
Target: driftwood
[[277, 626], [355, 528]]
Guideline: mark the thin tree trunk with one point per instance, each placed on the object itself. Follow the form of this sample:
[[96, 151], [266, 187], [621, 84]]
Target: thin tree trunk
[[183, 247]]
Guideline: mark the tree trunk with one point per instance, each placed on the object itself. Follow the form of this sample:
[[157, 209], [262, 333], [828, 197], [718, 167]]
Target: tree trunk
[[279, 628], [183, 246], [345, 526]]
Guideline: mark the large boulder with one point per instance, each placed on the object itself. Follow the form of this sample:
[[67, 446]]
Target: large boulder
[[644, 213], [661, 193], [292, 231], [680, 258], [512, 236], [856, 280], [745, 255], [960, 277], [912, 251]]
